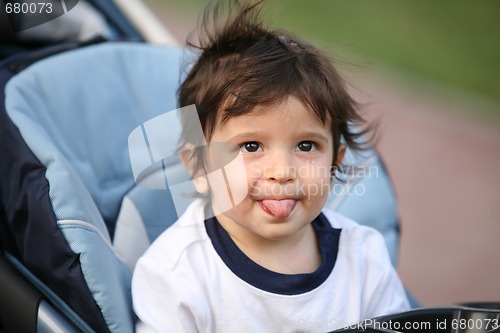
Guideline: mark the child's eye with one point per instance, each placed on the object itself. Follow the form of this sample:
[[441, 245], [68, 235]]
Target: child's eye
[[250, 147], [306, 146]]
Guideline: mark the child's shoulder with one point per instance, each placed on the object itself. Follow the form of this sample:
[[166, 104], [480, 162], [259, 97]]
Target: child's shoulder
[[181, 237], [354, 234], [339, 221]]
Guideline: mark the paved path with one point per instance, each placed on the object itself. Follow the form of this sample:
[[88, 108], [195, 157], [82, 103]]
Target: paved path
[[445, 168]]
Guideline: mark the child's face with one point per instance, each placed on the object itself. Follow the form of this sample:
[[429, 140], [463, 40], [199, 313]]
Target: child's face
[[287, 153]]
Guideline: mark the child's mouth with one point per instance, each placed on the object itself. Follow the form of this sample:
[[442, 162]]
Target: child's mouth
[[278, 208]]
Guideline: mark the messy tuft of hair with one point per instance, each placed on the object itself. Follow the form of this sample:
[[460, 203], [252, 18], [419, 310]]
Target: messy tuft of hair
[[243, 64]]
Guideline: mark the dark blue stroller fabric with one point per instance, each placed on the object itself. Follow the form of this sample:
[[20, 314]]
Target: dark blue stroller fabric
[[36, 238], [65, 167]]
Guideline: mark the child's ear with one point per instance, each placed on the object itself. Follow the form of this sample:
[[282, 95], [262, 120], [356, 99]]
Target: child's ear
[[189, 160], [340, 155]]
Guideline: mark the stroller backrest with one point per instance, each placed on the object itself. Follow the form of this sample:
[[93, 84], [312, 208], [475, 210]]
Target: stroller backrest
[[74, 112]]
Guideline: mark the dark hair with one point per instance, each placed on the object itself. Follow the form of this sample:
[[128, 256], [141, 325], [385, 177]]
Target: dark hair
[[243, 65]]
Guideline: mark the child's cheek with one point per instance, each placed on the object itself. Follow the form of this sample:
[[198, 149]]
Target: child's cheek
[[253, 175], [252, 170], [237, 179], [315, 179]]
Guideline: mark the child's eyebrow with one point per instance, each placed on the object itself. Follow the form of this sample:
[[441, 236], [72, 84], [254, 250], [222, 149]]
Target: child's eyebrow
[[313, 135], [247, 136], [300, 135]]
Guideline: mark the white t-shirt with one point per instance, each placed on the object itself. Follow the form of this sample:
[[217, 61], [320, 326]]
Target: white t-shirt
[[193, 278]]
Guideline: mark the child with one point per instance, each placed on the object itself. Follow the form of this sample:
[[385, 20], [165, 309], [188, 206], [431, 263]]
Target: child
[[276, 261]]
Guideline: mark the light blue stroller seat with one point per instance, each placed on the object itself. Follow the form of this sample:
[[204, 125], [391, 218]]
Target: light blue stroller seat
[[74, 113]]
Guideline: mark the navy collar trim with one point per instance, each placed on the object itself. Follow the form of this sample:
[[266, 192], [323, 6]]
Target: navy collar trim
[[267, 280]]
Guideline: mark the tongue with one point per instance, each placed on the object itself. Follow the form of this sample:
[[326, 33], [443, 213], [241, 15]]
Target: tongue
[[279, 208]]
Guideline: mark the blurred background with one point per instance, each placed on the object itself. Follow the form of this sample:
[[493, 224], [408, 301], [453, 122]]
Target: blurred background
[[429, 72]]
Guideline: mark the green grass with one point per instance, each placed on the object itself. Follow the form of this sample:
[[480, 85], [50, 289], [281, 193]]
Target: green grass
[[454, 42]]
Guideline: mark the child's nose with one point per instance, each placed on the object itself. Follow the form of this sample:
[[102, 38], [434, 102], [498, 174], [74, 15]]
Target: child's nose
[[279, 167]]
